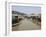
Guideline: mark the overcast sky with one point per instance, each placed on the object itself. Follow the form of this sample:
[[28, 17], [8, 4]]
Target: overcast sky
[[27, 9]]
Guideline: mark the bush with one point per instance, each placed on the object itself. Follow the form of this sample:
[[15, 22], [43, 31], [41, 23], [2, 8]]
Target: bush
[[15, 19]]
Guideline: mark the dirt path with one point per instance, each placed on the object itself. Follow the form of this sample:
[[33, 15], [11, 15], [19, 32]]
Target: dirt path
[[26, 24]]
